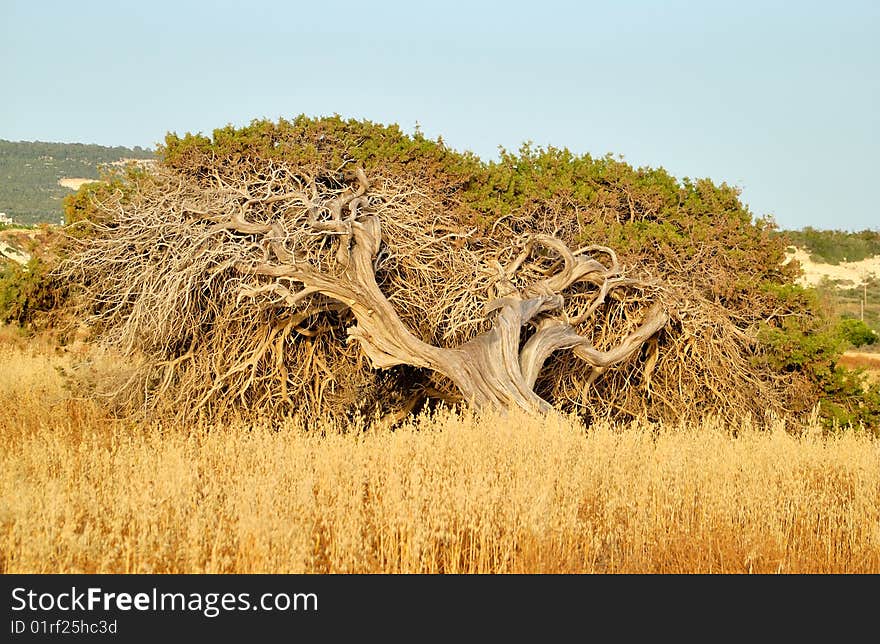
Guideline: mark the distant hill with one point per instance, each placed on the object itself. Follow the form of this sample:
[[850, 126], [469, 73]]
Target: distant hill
[[836, 246], [31, 172], [852, 288]]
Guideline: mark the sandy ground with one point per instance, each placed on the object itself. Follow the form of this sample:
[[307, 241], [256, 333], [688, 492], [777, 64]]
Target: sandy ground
[[849, 273], [13, 253], [73, 182], [18, 245]]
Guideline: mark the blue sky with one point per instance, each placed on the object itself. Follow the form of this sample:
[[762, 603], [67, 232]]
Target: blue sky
[[779, 98]]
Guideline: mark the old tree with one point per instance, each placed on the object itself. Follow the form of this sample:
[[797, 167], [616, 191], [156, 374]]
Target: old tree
[[331, 266]]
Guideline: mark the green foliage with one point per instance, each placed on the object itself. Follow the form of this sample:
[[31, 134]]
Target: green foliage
[[14, 227], [321, 143], [29, 191], [848, 400], [78, 206], [28, 292], [856, 332], [113, 183], [859, 302], [835, 246], [801, 345], [637, 211], [811, 345]]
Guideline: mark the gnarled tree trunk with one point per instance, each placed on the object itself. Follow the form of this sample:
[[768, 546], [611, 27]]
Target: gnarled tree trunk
[[496, 368]]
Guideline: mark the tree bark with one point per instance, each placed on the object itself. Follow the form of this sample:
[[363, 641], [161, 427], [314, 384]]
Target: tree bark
[[494, 369]]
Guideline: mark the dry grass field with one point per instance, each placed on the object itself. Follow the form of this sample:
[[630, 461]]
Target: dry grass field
[[867, 361], [83, 492]]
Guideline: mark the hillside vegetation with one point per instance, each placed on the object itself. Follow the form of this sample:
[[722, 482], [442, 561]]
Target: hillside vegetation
[[30, 171], [835, 246], [860, 303], [851, 288]]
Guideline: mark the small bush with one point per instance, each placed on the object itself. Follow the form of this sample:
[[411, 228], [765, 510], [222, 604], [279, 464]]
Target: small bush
[[28, 293], [856, 332]]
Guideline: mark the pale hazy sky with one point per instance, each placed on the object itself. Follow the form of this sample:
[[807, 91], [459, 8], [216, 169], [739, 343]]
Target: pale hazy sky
[[779, 98]]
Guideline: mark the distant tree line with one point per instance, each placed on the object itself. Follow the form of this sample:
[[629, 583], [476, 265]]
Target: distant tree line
[[835, 246], [30, 170]]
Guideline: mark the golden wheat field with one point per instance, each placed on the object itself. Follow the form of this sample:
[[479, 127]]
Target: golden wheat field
[[452, 493]]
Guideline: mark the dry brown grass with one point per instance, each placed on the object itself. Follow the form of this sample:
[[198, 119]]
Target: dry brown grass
[[82, 492], [869, 362]]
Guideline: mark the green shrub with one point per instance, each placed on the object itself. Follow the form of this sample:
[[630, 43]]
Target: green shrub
[[856, 332], [812, 346], [28, 293], [115, 183]]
